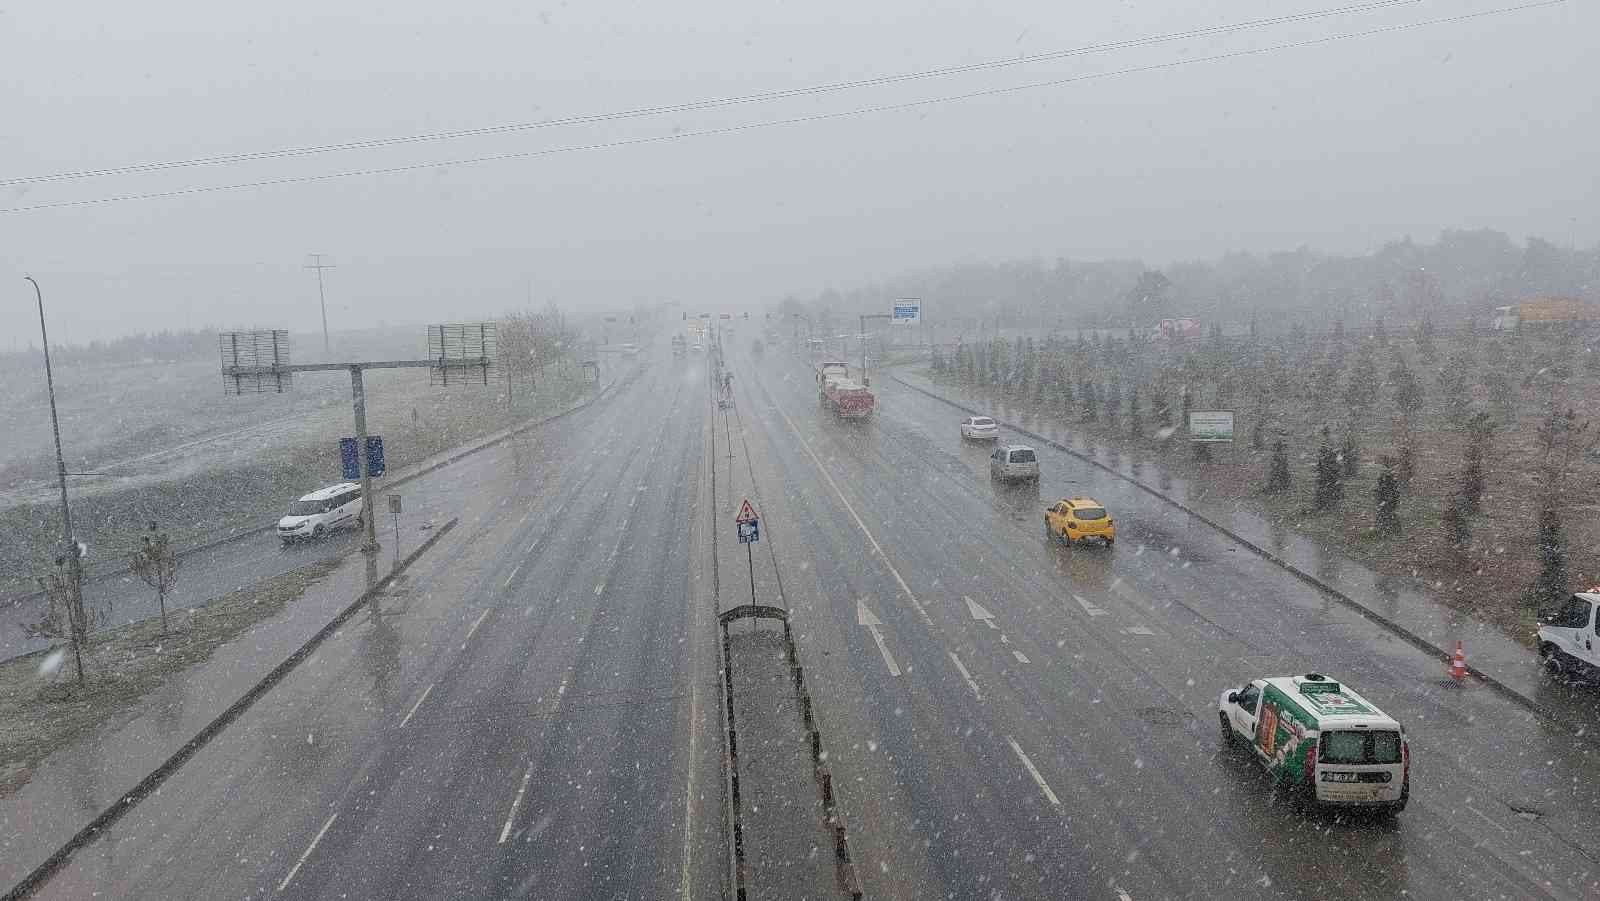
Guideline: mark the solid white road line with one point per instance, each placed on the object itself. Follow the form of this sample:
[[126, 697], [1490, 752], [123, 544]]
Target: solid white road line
[[806, 446], [1021, 657], [425, 692], [511, 817], [1033, 771], [514, 570], [1138, 630], [306, 856], [967, 676], [1088, 608], [478, 622]]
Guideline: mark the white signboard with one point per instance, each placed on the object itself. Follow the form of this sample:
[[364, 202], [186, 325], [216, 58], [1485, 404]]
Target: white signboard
[[907, 312], [1211, 425]]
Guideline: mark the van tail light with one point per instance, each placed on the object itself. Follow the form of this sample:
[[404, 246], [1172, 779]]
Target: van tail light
[[1311, 763], [1405, 759]]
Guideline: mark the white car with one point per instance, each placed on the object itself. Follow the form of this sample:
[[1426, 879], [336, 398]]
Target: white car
[[980, 428], [322, 511], [1570, 639]]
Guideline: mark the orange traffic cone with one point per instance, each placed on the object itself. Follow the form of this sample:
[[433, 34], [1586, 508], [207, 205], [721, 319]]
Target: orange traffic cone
[[1458, 666]]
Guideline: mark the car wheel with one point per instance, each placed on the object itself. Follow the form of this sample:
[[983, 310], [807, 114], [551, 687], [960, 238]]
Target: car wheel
[[1227, 730], [1553, 658], [1405, 795], [1110, 541], [318, 532]]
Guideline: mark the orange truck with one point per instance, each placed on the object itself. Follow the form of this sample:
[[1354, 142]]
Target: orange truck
[[1545, 310]]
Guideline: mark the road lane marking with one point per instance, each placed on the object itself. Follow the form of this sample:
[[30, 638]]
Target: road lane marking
[[806, 446], [307, 856], [478, 622], [413, 712], [874, 626], [511, 816], [967, 676], [979, 613], [1033, 771], [514, 570], [1021, 657], [1138, 630], [1088, 608]]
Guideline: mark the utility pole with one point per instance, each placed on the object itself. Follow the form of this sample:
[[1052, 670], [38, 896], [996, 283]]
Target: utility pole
[[317, 264], [864, 318], [69, 544]]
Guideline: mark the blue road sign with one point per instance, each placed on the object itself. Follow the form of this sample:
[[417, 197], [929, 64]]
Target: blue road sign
[[347, 457], [375, 467], [352, 467], [907, 311], [750, 532]]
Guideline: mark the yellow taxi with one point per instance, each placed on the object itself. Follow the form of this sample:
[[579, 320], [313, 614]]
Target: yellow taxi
[[1076, 518]]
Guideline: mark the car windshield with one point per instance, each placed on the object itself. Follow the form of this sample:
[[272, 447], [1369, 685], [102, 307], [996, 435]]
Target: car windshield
[[1360, 747], [626, 339]]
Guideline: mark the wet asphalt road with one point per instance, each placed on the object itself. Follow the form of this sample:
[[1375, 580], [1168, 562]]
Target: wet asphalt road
[[1053, 729], [532, 713]]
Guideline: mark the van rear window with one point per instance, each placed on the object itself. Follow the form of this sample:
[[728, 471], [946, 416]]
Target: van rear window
[[1377, 746], [1022, 456]]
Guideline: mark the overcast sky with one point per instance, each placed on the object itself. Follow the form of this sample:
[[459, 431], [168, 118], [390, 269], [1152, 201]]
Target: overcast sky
[[1341, 146]]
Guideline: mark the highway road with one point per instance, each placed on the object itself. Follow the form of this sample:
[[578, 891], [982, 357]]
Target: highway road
[[533, 714], [1035, 721], [515, 722]]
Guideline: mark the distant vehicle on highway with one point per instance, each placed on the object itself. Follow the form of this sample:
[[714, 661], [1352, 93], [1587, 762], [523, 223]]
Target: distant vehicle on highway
[[1074, 519], [1569, 640], [1014, 463], [322, 511], [1322, 738], [698, 348], [979, 428]]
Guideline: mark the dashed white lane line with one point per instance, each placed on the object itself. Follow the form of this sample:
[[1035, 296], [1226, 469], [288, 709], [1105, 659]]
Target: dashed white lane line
[[478, 622], [511, 816], [966, 675], [806, 446], [1122, 895], [1088, 608], [1021, 657], [307, 856], [1138, 630], [413, 712], [514, 570], [979, 613], [1033, 771]]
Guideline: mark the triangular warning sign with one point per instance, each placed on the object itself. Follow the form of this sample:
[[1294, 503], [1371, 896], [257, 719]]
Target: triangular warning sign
[[747, 513]]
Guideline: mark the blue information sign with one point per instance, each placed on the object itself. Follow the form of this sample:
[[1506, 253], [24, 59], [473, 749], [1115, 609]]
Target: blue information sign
[[352, 467], [750, 532], [347, 457], [375, 467]]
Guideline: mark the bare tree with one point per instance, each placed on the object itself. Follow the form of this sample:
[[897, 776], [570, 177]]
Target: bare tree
[[64, 619], [156, 564]]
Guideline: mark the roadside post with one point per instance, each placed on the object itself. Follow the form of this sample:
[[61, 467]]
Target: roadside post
[[749, 525], [394, 507]]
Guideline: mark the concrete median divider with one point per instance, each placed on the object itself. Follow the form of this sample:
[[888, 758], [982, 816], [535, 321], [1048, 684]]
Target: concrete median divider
[[151, 783]]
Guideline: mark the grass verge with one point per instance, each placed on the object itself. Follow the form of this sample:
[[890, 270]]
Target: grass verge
[[42, 707]]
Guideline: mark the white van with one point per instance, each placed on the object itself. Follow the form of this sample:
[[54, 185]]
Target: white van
[[1569, 639], [322, 511], [1319, 736]]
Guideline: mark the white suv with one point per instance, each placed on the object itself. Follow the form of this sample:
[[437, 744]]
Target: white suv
[[1570, 639], [322, 511], [1014, 462]]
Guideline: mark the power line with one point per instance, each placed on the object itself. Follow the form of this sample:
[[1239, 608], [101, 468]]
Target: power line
[[796, 120], [701, 105]]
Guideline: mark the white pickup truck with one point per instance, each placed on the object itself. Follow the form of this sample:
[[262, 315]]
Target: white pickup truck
[[1569, 639]]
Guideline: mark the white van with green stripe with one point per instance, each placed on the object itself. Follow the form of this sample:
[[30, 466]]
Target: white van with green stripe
[[1320, 736]]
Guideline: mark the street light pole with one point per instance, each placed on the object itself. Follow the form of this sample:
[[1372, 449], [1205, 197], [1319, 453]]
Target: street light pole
[[327, 346], [69, 545]]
